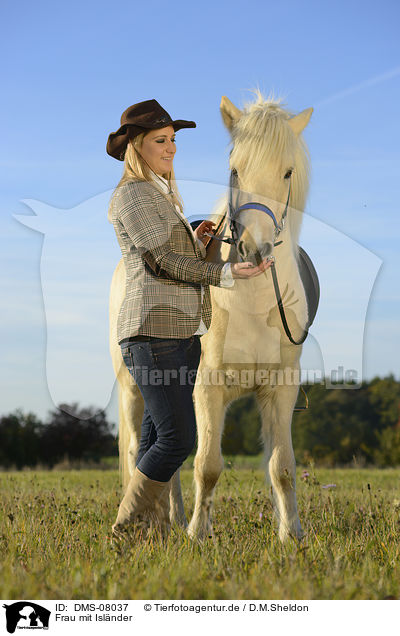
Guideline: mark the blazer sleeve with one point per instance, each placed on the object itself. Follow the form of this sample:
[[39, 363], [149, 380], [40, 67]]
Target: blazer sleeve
[[143, 221]]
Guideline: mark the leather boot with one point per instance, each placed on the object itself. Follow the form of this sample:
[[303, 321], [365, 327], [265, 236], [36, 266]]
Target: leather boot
[[143, 506]]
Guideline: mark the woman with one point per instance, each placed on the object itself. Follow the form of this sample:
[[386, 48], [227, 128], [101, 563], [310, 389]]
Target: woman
[[167, 305]]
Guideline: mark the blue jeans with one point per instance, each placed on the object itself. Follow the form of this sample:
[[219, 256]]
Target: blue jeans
[[165, 372]]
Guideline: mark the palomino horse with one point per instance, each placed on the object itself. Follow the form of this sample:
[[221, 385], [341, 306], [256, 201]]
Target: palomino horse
[[246, 348]]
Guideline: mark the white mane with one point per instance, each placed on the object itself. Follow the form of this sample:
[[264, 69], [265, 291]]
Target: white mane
[[262, 137]]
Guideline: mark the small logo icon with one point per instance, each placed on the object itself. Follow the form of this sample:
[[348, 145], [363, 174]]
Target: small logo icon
[[26, 615]]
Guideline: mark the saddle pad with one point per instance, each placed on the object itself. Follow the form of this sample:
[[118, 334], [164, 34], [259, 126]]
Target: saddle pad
[[309, 278]]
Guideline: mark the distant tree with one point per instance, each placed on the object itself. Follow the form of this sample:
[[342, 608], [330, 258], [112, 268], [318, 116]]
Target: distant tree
[[345, 423], [387, 452], [336, 428], [384, 397], [20, 439], [76, 433]]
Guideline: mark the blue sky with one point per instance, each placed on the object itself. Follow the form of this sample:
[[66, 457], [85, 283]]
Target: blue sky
[[71, 69]]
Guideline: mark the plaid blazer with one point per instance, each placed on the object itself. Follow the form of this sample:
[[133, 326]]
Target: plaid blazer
[[164, 266]]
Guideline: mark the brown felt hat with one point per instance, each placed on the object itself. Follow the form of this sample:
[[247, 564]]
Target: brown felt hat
[[139, 118]]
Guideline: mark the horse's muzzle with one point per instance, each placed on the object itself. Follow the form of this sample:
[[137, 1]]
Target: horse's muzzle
[[266, 250], [255, 256]]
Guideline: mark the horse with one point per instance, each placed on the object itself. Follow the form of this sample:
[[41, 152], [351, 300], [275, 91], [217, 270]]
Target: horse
[[256, 332]]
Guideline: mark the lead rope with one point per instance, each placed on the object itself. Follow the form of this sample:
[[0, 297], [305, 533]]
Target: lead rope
[[305, 407], [282, 309]]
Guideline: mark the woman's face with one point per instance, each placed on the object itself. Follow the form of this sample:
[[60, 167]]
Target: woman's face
[[158, 149]]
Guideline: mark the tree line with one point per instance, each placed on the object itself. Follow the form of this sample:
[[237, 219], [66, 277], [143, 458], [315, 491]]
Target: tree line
[[69, 433], [341, 426]]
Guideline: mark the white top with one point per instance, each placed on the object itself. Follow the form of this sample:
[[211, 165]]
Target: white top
[[226, 275]]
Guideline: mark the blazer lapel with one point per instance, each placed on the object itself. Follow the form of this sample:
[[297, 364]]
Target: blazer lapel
[[184, 220]]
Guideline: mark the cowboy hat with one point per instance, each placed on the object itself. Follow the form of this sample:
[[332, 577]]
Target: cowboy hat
[[141, 117]]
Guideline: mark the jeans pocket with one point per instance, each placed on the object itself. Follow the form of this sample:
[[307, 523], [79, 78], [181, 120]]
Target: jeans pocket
[[127, 358], [164, 347]]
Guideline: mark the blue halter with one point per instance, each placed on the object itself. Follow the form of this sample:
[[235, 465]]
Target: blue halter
[[252, 205]]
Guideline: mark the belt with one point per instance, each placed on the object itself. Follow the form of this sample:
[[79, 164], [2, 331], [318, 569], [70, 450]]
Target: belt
[[137, 339], [134, 339]]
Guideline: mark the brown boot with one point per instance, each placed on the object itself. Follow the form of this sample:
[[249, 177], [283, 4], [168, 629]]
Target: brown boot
[[143, 506]]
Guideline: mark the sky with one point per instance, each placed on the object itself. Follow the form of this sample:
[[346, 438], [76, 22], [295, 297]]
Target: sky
[[69, 70]]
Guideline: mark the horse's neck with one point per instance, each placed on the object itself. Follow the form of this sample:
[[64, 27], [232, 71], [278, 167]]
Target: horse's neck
[[286, 254], [214, 252], [219, 252]]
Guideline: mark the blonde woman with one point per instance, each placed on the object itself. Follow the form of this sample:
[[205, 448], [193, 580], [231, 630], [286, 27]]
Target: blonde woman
[[167, 306]]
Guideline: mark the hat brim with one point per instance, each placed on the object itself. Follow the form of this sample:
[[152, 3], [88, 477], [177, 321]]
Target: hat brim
[[118, 141]]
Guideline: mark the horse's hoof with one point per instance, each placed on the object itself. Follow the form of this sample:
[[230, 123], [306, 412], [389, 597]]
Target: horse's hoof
[[117, 533], [180, 522], [296, 535], [200, 536]]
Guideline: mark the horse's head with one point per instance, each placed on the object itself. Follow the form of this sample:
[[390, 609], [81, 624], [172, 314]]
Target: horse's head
[[271, 163]]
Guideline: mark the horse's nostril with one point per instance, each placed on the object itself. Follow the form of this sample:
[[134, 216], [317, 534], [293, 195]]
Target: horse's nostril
[[241, 248], [266, 250]]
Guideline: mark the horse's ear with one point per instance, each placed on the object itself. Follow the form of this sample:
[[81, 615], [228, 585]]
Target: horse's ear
[[230, 114], [300, 121]]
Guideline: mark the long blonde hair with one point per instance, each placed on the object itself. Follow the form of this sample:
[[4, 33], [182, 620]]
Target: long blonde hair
[[137, 169]]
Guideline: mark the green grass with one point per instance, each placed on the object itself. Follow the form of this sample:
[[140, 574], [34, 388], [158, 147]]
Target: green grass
[[55, 530]]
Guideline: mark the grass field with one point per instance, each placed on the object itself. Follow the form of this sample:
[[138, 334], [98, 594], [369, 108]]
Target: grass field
[[55, 540]]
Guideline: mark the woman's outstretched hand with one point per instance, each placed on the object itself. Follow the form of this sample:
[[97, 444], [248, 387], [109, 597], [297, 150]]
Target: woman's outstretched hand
[[248, 270]]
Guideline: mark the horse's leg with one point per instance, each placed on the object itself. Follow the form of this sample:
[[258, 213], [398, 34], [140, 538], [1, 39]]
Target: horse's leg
[[131, 406], [208, 463], [276, 406], [177, 511]]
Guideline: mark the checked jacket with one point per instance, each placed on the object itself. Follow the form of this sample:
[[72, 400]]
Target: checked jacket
[[165, 268]]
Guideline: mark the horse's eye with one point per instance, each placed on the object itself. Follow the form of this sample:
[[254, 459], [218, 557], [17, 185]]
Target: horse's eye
[[289, 173]]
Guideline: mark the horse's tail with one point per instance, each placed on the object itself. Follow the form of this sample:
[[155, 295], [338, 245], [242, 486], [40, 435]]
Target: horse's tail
[[130, 401], [124, 438]]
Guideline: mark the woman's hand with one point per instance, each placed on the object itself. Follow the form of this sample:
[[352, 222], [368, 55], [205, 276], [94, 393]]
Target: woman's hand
[[248, 270], [199, 232]]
